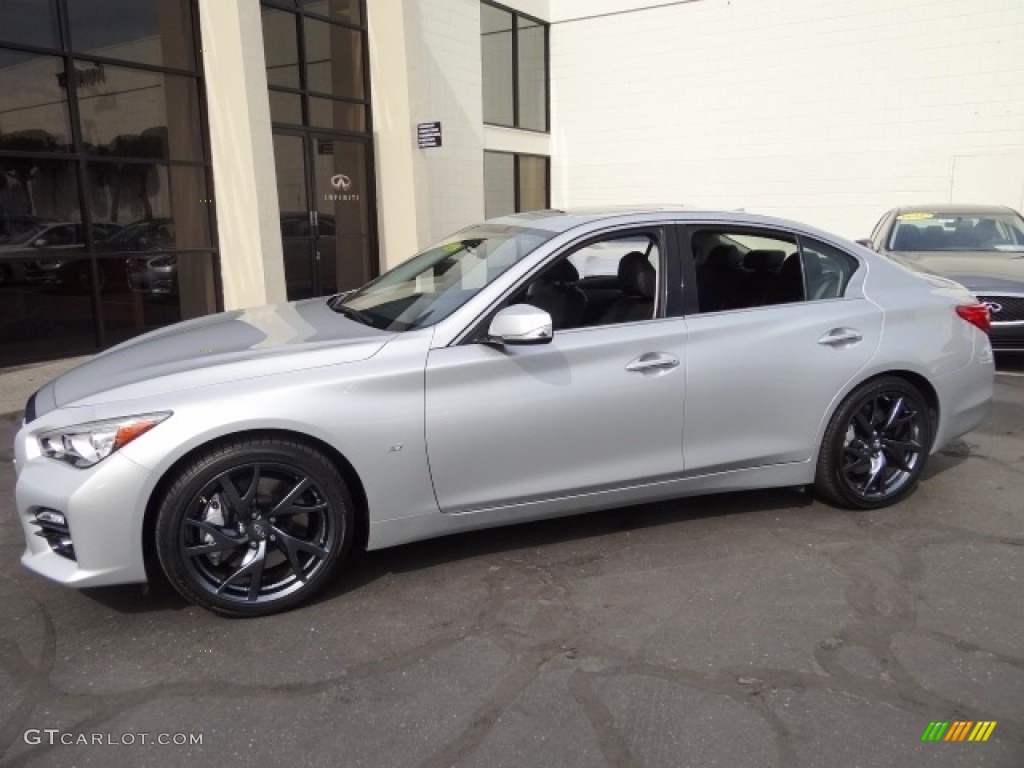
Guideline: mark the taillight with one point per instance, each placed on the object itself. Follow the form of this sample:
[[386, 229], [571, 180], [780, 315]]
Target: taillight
[[977, 315]]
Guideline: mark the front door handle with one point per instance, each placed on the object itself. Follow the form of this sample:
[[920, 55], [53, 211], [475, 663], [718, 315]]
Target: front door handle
[[652, 361], [838, 337]]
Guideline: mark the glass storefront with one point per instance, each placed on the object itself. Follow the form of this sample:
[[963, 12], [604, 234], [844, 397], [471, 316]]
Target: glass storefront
[[105, 212], [316, 56]]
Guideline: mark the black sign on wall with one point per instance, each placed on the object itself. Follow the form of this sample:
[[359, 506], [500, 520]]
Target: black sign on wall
[[429, 135]]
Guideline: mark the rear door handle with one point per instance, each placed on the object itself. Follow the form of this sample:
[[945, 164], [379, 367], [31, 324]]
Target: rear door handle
[[652, 361], [841, 336]]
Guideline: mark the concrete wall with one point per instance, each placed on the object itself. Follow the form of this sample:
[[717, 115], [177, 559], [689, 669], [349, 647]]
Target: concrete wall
[[828, 111]]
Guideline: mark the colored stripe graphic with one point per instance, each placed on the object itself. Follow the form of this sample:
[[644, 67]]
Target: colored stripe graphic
[[958, 731], [982, 730]]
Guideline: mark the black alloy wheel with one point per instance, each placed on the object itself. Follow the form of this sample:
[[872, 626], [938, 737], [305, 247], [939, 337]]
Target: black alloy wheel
[[876, 445], [254, 527]]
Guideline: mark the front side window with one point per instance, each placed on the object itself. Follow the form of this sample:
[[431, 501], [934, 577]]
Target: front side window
[[431, 286], [606, 282], [514, 52]]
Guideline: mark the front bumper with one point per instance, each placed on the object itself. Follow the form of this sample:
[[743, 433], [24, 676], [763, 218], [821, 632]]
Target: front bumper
[[104, 507], [1007, 337]]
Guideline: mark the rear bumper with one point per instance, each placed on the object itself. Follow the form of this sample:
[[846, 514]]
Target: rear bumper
[[965, 395]]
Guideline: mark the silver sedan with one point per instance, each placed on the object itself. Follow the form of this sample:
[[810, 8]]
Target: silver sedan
[[506, 374]]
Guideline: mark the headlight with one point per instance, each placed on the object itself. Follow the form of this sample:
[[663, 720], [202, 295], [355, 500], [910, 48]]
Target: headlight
[[84, 445]]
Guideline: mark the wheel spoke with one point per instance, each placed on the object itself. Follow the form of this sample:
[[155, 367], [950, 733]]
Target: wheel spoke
[[893, 414], [254, 487], [862, 421], [292, 544], [217, 546], [874, 477], [287, 504], [252, 567], [901, 445], [897, 461], [235, 503], [224, 537]]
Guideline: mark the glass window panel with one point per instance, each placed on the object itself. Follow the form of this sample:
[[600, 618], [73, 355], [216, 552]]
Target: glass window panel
[[499, 184], [39, 319], [36, 193], [155, 290], [533, 97], [33, 105], [155, 32], [285, 107], [125, 113], [281, 48], [339, 115], [291, 185], [342, 10], [533, 183], [31, 22], [138, 207], [334, 59], [342, 185], [496, 49]]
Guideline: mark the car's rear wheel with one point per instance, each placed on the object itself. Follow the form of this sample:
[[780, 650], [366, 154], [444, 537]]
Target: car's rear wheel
[[876, 445], [254, 526]]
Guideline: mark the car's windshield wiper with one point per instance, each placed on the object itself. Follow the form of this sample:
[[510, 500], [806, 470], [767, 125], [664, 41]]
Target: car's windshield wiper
[[353, 314]]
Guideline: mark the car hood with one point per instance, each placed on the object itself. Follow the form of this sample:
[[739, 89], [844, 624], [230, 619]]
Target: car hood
[[986, 271], [218, 348]]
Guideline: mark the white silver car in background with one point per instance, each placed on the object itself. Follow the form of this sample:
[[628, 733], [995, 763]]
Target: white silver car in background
[[506, 374]]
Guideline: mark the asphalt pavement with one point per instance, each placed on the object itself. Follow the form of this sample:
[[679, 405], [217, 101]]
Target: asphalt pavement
[[749, 629]]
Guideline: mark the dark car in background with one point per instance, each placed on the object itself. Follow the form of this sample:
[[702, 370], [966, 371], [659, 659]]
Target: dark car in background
[[153, 272], [49, 253], [979, 246]]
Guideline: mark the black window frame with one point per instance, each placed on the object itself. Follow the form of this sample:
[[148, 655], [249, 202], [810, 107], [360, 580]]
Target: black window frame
[[78, 156], [516, 15], [300, 14]]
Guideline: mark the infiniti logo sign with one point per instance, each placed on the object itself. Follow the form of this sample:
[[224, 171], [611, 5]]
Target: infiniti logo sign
[[993, 306], [341, 182]]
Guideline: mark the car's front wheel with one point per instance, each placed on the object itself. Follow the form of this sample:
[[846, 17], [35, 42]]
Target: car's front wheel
[[254, 526], [876, 445]]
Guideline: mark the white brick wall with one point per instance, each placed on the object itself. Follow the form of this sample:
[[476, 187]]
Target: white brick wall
[[443, 45], [826, 111]]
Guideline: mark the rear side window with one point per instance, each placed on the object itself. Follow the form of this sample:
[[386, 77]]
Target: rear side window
[[739, 269], [827, 270]]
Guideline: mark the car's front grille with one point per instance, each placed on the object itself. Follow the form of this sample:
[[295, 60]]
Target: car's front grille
[[1004, 309]]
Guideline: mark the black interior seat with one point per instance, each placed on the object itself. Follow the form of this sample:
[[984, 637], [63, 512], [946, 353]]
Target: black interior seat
[[716, 278], [638, 280], [908, 238], [789, 286], [761, 276], [557, 294]]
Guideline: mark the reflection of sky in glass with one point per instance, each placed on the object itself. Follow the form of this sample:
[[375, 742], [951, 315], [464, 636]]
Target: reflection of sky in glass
[[95, 24]]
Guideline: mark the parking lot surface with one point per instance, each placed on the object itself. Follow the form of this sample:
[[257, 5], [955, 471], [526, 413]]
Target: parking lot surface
[[749, 629]]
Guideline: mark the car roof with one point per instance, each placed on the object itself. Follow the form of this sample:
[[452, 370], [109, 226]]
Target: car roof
[[953, 208], [562, 220]]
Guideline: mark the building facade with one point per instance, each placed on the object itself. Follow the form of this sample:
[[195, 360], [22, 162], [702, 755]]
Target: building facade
[[164, 159]]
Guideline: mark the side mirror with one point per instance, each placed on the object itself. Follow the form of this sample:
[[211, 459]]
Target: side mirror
[[866, 242], [520, 324], [39, 243]]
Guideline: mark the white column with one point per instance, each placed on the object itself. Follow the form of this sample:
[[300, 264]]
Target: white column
[[245, 180], [397, 230]]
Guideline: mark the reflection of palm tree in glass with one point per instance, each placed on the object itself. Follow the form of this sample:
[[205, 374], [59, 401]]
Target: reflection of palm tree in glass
[[23, 169], [138, 180]]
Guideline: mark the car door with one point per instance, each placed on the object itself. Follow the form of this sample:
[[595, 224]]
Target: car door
[[598, 408], [764, 367]]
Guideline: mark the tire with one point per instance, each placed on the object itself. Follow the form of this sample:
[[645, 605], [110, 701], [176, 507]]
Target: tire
[[254, 526], [876, 445]]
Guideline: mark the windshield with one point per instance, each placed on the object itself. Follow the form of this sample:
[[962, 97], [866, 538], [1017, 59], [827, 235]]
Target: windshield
[[986, 232], [430, 286]]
